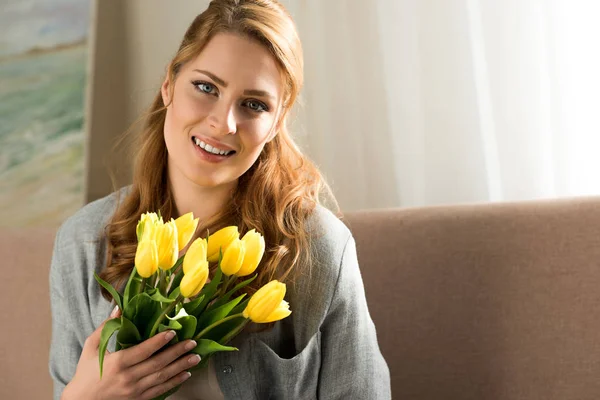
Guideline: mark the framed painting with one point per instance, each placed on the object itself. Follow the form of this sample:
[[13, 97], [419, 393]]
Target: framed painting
[[43, 63]]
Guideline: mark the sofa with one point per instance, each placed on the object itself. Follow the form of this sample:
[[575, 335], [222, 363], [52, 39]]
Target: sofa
[[482, 301]]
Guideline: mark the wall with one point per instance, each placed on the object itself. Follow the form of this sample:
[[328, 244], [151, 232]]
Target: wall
[[132, 43]]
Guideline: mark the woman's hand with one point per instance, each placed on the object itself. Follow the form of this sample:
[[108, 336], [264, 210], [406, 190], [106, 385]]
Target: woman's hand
[[132, 373]]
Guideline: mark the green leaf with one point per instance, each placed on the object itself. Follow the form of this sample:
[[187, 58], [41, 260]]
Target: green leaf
[[156, 295], [143, 311], [175, 325], [109, 328], [206, 347], [178, 275], [128, 333], [240, 307], [216, 314], [116, 296], [209, 291], [186, 322], [175, 293], [219, 332], [193, 306], [132, 286], [225, 298]]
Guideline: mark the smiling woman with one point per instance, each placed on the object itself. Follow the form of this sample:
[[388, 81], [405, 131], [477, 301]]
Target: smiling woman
[[216, 143]]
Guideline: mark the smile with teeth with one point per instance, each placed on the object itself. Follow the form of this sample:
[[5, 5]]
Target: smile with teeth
[[209, 149]]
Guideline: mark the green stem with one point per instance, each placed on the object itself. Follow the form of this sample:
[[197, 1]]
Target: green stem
[[164, 281], [223, 290], [233, 333], [142, 286], [162, 316], [214, 325]]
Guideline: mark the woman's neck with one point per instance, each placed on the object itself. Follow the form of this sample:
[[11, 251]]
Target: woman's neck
[[204, 202]]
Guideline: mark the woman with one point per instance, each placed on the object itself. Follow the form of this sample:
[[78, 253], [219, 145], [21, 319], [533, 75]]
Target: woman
[[215, 143]]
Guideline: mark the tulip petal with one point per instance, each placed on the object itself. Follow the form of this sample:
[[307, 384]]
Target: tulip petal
[[266, 301], [186, 227], [219, 241], [194, 255], [279, 313]]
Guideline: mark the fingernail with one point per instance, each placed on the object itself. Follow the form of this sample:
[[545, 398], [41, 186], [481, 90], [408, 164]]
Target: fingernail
[[170, 335], [195, 359], [114, 311], [191, 344]]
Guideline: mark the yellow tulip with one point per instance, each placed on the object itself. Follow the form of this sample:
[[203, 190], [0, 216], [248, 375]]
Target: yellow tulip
[[233, 257], [193, 281], [146, 258], [254, 244], [166, 243], [186, 227], [221, 239], [147, 221], [267, 304], [194, 255]]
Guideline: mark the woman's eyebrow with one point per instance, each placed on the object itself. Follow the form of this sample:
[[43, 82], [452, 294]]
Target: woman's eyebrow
[[260, 93], [213, 77]]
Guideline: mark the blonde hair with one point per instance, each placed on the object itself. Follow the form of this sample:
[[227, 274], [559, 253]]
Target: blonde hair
[[275, 196]]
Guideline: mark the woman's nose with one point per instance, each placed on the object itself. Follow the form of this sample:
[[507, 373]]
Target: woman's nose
[[222, 120]]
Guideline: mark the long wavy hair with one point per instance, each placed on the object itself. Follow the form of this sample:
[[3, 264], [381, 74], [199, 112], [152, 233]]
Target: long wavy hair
[[275, 196]]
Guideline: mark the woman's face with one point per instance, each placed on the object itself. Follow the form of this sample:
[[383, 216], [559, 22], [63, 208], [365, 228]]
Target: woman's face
[[224, 109]]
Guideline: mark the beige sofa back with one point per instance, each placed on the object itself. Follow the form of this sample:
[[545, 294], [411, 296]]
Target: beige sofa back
[[495, 301], [25, 313]]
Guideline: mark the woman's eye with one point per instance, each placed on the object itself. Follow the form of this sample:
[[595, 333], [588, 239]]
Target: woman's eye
[[205, 87], [256, 106]]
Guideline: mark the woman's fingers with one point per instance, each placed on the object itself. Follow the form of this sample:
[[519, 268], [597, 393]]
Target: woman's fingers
[[141, 352], [173, 369], [157, 364], [165, 387]]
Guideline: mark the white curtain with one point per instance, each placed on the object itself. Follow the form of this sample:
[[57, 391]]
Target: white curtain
[[422, 102]]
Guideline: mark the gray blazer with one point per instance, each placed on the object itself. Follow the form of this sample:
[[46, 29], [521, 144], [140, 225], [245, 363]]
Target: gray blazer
[[327, 348]]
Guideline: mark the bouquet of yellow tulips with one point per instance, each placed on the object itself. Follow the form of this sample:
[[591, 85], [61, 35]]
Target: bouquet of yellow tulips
[[166, 291]]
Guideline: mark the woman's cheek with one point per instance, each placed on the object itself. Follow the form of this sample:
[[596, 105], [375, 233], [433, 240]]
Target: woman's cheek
[[198, 107], [257, 131]]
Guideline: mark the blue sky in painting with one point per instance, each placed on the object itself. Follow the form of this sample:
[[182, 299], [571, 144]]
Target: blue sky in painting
[[27, 24]]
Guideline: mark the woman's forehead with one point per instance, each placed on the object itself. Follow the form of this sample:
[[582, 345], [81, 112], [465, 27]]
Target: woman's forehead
[[239, 62]]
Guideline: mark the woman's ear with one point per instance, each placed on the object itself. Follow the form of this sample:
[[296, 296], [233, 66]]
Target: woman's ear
[[165, 91]]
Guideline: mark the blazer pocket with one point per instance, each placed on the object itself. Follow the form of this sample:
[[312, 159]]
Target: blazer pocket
[[287, 378]]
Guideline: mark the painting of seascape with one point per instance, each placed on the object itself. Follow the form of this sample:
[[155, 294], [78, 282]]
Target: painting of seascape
[[43, 57]]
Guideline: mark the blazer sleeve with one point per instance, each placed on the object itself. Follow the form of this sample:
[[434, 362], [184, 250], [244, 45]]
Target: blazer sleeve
[[66, 346], [352, 366]]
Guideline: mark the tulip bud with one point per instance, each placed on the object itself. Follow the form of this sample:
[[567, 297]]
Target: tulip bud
[[147, 221], [193, 281], [221, 239], [233, 257], [186, 227], [254, 243], [166, 243], [267, 304], [194, 255], [146, 258]]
